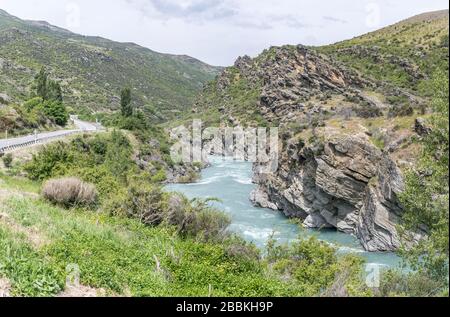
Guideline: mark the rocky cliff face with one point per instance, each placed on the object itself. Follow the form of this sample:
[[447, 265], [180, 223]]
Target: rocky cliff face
[[339, 180], [344, 137], [344, 183]]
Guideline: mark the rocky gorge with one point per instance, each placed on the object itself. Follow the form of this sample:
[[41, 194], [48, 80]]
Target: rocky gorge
[[348, 184], [342, 148]]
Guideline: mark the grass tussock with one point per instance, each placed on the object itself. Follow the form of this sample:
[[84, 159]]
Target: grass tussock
[[69, 192]]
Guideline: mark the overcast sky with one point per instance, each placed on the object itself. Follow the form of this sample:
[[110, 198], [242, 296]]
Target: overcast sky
[[218, 31]]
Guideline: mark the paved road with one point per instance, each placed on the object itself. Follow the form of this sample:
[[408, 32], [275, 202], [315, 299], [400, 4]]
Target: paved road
[[14, 143]]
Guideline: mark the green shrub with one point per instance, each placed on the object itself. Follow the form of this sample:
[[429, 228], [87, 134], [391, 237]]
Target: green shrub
[[7, 160], [314, 267], [52, 160], [426, 196], [56, 111], [53, 109], [151, 206], [414, 284], [159, 177], [146, 203], [106, 184], [203, 222]]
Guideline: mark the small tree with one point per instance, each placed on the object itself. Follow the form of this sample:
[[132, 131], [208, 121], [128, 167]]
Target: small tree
[[49, 98], [41, 84], [46, 88], [125, 102], [54, 91]]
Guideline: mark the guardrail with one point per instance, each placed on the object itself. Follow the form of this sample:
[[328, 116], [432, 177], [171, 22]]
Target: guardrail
[[29, 140], [14, 144]]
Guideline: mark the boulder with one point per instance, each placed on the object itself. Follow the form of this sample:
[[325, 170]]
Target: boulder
[[421, 127]]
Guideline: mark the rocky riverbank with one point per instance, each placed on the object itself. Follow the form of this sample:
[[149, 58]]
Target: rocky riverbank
[[344, 183]]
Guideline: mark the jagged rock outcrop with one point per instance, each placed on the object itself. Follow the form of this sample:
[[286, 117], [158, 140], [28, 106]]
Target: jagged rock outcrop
[[288, 79], [329, 175], [345, 183]]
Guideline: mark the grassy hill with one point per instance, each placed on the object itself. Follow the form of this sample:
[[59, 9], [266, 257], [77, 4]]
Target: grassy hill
[[92, 70], [404, 54], [383, 74]]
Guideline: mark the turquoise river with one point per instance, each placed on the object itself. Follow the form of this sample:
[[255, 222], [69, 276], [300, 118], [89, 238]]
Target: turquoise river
[[230, 182]]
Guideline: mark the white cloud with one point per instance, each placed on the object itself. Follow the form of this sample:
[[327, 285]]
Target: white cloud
[[217, 31]]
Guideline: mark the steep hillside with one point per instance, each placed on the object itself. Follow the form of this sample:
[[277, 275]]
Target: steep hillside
[[93, 70], [350, 115], [404, 54]]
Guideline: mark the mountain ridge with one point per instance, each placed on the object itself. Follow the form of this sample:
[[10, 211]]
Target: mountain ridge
[[92, 70]]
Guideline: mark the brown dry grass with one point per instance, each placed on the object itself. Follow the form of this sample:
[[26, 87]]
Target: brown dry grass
[[5, 288], [69, 192]]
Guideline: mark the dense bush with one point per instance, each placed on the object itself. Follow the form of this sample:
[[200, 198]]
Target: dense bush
[[56, 112], [202, 221], [51, 161], [315, 268], [69, 192], [51, 109]]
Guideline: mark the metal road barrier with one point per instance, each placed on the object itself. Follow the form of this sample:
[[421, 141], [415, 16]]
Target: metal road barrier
[[29, 140]]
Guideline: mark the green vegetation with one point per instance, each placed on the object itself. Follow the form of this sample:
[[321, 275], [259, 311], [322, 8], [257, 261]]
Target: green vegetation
[[403, 55], [125, 102], [69, 192], [92, 70], [7, 160], [239, 99], [43, 109], [46, 88], [48, 100], [124, 256], [139, 239], [51, 109], [34, 114], [142, 241], [102, 205], [426, 198]]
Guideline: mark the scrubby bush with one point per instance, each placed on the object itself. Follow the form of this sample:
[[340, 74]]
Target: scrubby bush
[[367, 111], [69, 192], [414, 284], [426, 196], [159, 176], [404, 110], [153, 207], [190, 177], [315, 268], [202, 221], [56, 111], [7, 160], [237, 247], [145, 202]]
